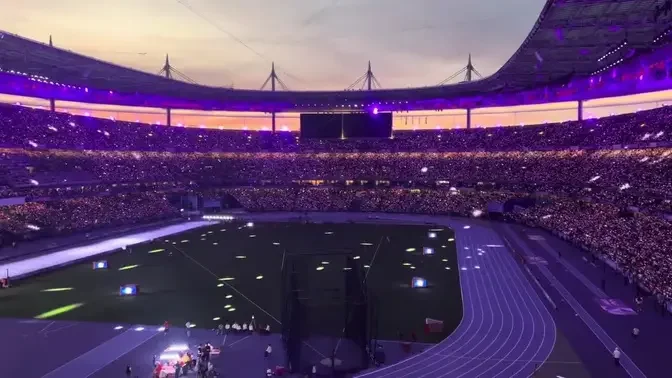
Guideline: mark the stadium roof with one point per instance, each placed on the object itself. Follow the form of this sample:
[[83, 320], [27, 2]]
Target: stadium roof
[[569, 39]]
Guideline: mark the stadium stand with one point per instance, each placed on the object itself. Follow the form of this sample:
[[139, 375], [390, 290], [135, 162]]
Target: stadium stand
[[48, 130], [589, 182]]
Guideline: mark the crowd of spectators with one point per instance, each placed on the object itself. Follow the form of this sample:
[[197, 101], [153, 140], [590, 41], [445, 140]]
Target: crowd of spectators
[[31, 128], [37, 219], [627, 177], [579, 176]]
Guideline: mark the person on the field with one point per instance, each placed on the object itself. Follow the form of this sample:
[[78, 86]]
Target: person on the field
[[635, 333], [244, 327], [639, 301], [227, 327], [617, 356], [268, 351], [187, 325], [253, 323]]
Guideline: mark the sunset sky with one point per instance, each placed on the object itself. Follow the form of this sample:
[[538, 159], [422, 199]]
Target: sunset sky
[[316, 44]]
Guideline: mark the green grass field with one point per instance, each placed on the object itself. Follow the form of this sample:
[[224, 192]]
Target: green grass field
[[182, 277]]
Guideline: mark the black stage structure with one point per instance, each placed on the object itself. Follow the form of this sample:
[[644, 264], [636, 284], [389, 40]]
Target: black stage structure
[[329, 317]]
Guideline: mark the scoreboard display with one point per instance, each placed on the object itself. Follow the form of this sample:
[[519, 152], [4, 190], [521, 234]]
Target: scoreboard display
[[346, 125]]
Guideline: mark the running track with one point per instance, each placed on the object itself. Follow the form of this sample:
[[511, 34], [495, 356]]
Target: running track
[[506, 330]]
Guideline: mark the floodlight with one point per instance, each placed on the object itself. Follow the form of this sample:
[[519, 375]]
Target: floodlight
[[428, 251], [419, 282], [432, 235], [100, 265], [127, 290]]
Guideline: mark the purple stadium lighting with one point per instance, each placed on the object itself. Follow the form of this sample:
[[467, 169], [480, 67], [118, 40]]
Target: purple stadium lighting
[[375, 110]]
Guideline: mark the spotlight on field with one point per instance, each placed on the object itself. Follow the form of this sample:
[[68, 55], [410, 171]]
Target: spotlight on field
[[128, 290], [432, 235], [419, 282], [428, 251], [100, 265], [250, 224], [58, 289], [177, 348], [59, 311], [169, 357]]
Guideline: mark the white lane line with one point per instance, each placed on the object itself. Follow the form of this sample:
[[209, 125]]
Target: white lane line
[[628, 365]]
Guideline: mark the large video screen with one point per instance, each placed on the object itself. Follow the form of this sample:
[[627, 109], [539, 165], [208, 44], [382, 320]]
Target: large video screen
[[348, 125], [321, 126]]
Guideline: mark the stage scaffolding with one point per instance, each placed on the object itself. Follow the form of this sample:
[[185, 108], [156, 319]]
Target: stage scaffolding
[[329, 317]]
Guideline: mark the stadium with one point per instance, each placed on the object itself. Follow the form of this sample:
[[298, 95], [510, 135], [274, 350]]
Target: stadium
[[330, 238]]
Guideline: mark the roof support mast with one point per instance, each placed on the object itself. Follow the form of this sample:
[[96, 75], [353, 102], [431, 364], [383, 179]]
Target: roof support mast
[[273, 79], [469, 70], [52, 101], [171, 73], [368, 81], [167, 71]]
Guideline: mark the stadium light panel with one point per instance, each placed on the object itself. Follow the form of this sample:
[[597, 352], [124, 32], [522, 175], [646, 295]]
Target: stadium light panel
[[128, 290], [419, 282]]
